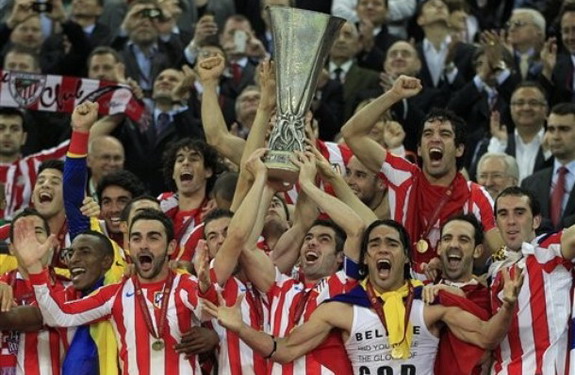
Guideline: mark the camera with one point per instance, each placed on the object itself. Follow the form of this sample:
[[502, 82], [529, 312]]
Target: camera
[[240, 40], [151, 13], [42, 7]]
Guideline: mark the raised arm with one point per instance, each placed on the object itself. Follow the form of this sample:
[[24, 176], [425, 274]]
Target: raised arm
[[257, 134], [241, 224], [485, 334], [75, 168], [338, 211], [55, 311], [215, 128], [356, 130]]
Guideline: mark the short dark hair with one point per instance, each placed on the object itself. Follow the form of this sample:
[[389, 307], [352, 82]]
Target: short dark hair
[[149, 214], [471, 219], [107, 247], [531, 85], [28, 211], [210, 155], [124, 179], [340, 235], [104, 50], [563, 109], [23, 50], [51, 164], [12, 112], [403, 238], [517, 191], [124, 215], [457, 123], [225, 185], [216, 214]]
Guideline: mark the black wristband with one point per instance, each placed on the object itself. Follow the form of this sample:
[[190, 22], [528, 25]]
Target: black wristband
[[274, 348]]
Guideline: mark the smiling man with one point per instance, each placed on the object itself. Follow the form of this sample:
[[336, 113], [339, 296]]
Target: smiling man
[[133, 304], [394, 344], [538, 342], [422, 198], [114, 192]]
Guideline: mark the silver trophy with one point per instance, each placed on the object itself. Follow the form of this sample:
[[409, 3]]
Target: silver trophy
[[302, 40]]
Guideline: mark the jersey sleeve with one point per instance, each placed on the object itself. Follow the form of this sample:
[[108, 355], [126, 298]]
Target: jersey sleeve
[[75, 179], [59, 313], [396, 170]]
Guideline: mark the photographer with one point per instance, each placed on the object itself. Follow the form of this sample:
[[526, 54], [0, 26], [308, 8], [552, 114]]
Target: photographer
[[144, 53]]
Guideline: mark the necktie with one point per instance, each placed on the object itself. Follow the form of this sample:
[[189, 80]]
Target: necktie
[[557, 197], [162, 123], [236, 73], [338, 74], [524, 65]]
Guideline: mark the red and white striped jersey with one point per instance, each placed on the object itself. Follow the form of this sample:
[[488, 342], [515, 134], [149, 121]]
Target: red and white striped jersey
[[337, 155], [187, 246], [286, 296], [400, 176], [19, 177], [185, 225], [118, 303], [235, 356], [537, 340], [33, 353]]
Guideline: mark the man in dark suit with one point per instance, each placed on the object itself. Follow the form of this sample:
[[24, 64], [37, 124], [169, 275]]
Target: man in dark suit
[[558, 69], [144, 53], [170, 119], [443, 59], [553, 186], [490, 90], [86, 14], [525, 141], [375, 36], [344, 69]]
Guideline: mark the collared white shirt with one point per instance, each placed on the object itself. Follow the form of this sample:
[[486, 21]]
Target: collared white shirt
[[344, 69], [525, 153], [569, 180], [88, 30], [435, 59]]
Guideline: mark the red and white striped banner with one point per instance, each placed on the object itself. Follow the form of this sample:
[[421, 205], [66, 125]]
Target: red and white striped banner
[[41, 92]]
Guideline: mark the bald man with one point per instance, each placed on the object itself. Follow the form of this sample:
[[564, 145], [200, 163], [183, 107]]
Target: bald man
[[105, 155]]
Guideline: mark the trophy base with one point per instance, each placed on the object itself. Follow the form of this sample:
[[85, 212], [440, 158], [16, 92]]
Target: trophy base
[[282, 173]]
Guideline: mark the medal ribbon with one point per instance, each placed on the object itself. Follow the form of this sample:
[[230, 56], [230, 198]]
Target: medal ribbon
[[403, 344], [435, 214], [163, 310], [254, 299], [300, 307]]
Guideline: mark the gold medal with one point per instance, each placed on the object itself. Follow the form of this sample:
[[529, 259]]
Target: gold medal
[[158, 345], [422, 246], [396, 352]]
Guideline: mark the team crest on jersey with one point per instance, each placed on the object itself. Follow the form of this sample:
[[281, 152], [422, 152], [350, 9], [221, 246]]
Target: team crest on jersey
[[26, 88], [158, 296]]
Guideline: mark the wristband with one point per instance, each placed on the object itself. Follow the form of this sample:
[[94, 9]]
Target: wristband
[[274, 348]]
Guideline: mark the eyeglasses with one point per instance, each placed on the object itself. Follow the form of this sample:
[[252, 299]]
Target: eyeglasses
[[530, 103], [516, 23]]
